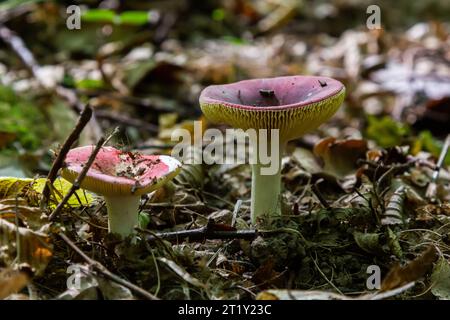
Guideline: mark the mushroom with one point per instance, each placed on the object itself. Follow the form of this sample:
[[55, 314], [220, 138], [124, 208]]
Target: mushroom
[[121, 177], [293, 104]]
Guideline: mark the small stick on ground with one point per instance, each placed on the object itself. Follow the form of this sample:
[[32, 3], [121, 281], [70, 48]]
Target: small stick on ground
[[208, 231], [79, 179], [104, 271], [318, 194], [84, 118], [432, 187]]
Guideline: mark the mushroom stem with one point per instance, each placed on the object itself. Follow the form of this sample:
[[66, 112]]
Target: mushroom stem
[[266, 190], [122, 214]]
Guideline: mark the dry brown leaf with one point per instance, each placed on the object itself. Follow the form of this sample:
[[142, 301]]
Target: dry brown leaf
[[31, 216], [340, 156], [12, 281], [399, 276], [35, 248]]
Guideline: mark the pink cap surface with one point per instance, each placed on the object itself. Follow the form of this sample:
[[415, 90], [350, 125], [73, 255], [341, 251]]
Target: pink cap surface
[[272, 93], [293, 104], [116, 172]]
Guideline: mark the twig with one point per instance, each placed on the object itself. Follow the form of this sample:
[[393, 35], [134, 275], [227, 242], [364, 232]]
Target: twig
[[151, 146], [318, 194], [390, 293], [79, 179], [175, 205], [84, 118], [27, 57], [208, 231], [103, 270], [324, 276], [15, 12], [432, 187]]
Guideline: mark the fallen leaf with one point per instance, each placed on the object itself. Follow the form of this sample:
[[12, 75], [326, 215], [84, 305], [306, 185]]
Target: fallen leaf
[[340, 156], [440, 279], [182, 273], [414, 270], [33, 217], [12, 281], [31, 189], [34, 247]]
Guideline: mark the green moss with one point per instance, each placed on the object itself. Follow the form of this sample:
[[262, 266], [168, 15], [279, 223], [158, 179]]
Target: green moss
[[21, 118]]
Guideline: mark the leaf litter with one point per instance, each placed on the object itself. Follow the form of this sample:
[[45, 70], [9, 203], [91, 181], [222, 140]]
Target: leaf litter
[[355, 190]]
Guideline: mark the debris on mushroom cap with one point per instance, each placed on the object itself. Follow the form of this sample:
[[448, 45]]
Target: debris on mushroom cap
[[294, 104], [119, 172]]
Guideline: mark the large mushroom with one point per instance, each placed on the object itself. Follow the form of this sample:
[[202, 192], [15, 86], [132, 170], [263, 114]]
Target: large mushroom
[[293, 104], [121, 178]]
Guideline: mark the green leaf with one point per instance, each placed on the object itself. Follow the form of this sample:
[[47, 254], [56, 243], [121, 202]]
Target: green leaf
[[218, 14], [440, 279], [22, 118], [425, 141], [393, 243], [369, 242], [99, 15], [61, 188], [11, 187], [386, 132], [90, 84], [143, 219], [136, 18]]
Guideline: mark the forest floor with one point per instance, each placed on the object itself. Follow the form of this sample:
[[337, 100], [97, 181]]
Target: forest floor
[[365, 203]]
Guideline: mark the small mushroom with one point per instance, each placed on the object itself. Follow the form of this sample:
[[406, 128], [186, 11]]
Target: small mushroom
[[293, 104], [121, 178]]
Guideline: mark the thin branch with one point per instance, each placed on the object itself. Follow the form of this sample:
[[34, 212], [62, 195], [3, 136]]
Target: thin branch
[[208, 231], [103, 270], [319, 195], [84, 118]]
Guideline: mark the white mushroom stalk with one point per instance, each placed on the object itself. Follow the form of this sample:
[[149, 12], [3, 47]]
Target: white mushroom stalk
[[266, 191], [293, 105], [122, 213]]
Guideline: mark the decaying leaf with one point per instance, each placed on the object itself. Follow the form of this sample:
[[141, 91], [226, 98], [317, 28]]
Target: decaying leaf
[[369, 242], [265, 275], [30, 189], [12, 281], [340, 156], [33, 217], [283, 294], [440, 279], [32, 247], [307, 160], [394, 208], [414, 270], [86, 285], [181, 272]]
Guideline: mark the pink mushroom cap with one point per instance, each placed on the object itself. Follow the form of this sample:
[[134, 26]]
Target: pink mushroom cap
[[293, 104], [116, 172]]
